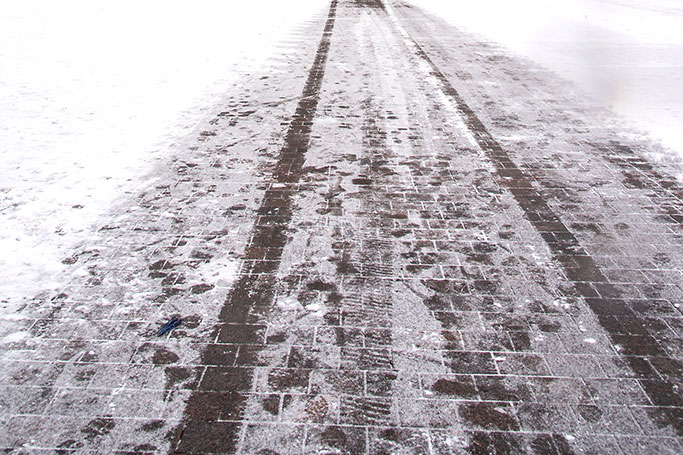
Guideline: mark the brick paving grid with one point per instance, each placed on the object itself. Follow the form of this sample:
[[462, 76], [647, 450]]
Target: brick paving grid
[[417, 309], [526, 360]]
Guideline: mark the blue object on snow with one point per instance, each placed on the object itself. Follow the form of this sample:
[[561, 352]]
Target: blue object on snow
[[170, 325]]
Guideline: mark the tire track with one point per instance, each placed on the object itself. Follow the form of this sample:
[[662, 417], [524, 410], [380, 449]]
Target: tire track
[[214, 410], [579, 266]]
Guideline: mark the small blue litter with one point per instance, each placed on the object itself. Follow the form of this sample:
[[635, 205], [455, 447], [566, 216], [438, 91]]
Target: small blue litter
[[170, 325]]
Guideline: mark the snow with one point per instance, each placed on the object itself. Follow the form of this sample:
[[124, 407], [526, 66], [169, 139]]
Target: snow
[[627, 53], [93, 93], [14, 337]]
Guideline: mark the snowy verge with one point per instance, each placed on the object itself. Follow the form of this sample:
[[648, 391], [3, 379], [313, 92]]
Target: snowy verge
[[626, 53], [93, 93]]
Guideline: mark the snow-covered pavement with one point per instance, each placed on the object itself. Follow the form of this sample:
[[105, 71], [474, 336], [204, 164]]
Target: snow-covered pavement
[[93, 94], [627, 53], [391, 237]]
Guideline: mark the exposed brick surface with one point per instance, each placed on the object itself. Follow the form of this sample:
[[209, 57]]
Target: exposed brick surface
[[440, 249]]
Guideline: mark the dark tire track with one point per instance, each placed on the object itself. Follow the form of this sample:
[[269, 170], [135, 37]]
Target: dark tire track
[[580, 267], [215, 408]]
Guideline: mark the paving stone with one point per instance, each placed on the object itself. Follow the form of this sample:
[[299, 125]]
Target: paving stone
[[417, 244]]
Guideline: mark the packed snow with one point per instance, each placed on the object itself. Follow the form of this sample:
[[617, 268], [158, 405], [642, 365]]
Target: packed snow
[[92, 93], [627, 53]]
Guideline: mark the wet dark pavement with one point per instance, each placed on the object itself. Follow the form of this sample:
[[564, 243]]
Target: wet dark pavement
[[417, 245]]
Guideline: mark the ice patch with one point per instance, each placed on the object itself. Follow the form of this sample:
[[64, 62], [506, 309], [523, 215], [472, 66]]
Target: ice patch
[[15, 337], [219, 272], [288, 304], [315, 309]]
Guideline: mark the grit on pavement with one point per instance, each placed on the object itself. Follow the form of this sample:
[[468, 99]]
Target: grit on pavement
[[400, 239]]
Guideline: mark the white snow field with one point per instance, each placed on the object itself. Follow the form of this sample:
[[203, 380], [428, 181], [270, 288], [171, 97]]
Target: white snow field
[[627, 53], [92, 93]]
